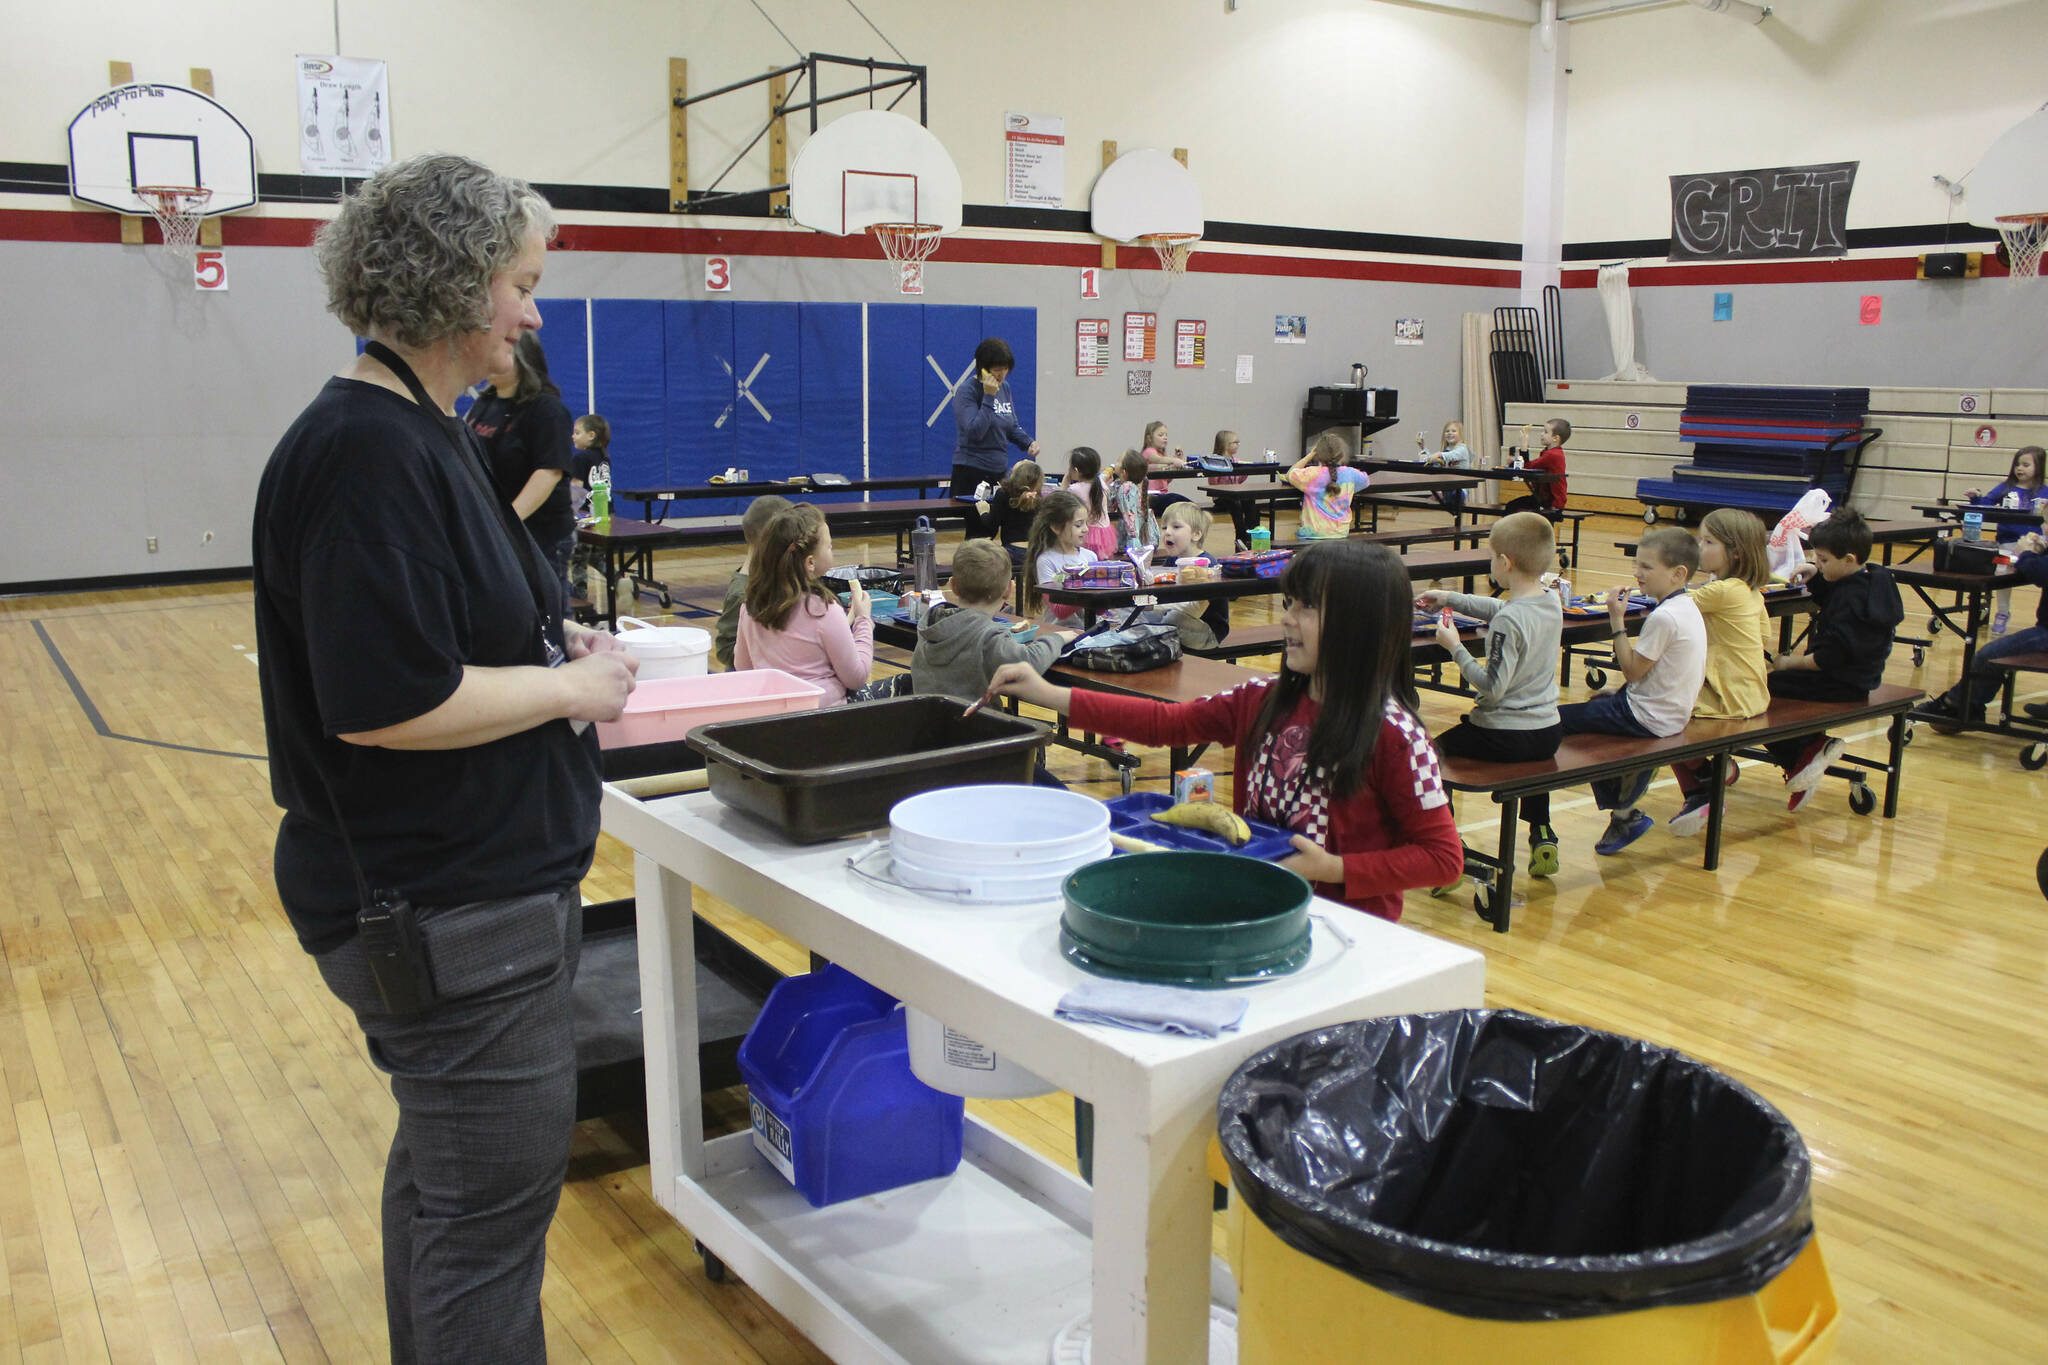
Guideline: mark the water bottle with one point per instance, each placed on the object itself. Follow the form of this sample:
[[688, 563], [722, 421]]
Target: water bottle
[[600, 493], [924, 549], [1973, 525], [2012, 502]]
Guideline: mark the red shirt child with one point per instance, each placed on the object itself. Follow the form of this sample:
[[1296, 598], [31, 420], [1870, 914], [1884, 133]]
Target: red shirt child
[[1550, 494]]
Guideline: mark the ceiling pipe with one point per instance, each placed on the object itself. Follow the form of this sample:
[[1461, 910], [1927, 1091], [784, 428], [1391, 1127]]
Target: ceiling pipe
[[1736, 9]]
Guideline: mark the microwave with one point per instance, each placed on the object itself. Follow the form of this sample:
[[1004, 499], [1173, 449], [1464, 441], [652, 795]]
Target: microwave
[[1346, 403]]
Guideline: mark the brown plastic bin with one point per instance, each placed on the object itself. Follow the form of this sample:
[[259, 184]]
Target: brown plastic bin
[[817, 775]]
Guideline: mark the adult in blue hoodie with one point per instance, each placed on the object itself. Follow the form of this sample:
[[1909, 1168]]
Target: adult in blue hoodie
[[986, 414]]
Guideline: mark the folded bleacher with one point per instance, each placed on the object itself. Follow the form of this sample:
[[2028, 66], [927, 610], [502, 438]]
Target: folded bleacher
[[1763, 448]]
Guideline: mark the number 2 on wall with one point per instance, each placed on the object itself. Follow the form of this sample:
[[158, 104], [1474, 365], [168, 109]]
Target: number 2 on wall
[[210, 271]]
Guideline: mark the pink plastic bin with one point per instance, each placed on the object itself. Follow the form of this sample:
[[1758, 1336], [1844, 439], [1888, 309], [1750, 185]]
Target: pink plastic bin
[[665, 709]]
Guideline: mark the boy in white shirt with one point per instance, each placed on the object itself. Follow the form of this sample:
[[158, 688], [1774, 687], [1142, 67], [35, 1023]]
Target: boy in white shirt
[[1662, 668]]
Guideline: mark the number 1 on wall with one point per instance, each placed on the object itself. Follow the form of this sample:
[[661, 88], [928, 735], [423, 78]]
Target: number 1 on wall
[[1091, 282]]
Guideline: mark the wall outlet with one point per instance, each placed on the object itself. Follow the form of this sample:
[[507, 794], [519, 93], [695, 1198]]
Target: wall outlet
[[206, 539], [152, 544]]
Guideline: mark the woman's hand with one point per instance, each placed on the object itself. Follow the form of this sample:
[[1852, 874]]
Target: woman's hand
[[858, 603], [1314, 862], [989, 383], [598, 684], [1024, 682], [1032, 450], [583, 640]]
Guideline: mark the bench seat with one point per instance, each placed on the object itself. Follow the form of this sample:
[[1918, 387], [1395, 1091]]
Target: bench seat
[[1586, 758]]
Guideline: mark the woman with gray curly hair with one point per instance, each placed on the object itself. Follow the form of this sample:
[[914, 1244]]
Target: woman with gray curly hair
[[427, 708]]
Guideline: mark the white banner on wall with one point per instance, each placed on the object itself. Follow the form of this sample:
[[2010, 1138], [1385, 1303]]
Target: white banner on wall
[[1034, 161], [344, 116]]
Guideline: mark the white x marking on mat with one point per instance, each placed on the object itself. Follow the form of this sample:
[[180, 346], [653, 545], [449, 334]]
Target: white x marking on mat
[[740, 390], [951, 384]]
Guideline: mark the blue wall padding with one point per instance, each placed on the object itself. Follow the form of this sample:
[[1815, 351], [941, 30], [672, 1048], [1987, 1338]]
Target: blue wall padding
[[764, 339], [627, 347], [896, 407], [829, 364], [566, 340], [951, 332], [701, 428]]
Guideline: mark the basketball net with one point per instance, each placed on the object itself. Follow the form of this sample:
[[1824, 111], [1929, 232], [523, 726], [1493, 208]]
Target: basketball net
[[177, 210], [2024, 234], [1172, 248], [909, 245]]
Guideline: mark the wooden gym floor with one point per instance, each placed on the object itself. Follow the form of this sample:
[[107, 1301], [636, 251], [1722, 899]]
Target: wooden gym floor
[[192, 1138]]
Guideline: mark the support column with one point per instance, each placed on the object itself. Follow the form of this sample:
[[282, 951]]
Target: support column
[[1543, 155]]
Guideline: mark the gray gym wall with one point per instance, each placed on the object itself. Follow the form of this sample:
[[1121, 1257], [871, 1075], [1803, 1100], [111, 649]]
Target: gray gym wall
[[147, 409], [1935, 333]]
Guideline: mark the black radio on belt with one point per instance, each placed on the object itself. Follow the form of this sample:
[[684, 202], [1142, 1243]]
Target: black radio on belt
[[390, 933]]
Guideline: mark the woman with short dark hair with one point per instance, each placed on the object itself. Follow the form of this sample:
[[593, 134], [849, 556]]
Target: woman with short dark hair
[[427, 711], [528, 444], [986, 413]]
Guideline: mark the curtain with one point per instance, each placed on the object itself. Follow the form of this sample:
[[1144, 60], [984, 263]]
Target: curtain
[[1619, 306], [1482, 428]]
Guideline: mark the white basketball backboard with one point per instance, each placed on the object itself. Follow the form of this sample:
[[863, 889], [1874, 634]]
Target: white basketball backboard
[[154, 134], [873, 167], [2012, 176], [1144, 192]]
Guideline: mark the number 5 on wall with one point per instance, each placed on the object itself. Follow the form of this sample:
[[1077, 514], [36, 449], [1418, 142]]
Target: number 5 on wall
[[210, 271]]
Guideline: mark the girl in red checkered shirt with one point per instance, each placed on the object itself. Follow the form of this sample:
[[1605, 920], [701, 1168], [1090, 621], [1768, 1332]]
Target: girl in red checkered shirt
[[1330, 748]]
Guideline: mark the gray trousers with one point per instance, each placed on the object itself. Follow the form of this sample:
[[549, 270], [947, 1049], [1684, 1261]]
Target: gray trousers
[[486, 1089]]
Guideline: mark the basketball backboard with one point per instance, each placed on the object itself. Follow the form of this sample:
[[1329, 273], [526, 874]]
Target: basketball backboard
[[2012, 176], [154, 134], [873, 167], [1145, 193]]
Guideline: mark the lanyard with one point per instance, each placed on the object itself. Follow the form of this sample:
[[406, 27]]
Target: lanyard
[[468, 456]]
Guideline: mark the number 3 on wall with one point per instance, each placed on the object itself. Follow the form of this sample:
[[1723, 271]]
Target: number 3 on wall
[[210, 271], [717, 274]]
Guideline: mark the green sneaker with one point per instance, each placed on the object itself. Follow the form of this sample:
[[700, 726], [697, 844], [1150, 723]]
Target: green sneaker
[[1542, 851]]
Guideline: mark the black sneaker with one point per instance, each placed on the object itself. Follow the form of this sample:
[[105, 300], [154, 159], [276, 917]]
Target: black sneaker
[[2037, 710], [1943, 716]]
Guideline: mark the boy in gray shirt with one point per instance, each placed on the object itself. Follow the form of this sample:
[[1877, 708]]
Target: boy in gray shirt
[[1514, 719], [961, 644]]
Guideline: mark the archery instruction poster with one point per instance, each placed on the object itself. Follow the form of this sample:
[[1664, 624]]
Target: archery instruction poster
[[344, 116], [1091, 346], [1034, 160], [1141, 336], [1190, 344]]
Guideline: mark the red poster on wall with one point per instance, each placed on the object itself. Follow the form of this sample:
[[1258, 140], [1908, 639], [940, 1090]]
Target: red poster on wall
[[1141, 336], [1091, 346]]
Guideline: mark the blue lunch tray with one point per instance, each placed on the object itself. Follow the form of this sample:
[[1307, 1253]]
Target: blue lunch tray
[[1132, 816]]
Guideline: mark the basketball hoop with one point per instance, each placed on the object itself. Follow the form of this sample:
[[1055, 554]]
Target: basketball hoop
[[177, 210], [909, 245], [2024, 234], [1172, 248]]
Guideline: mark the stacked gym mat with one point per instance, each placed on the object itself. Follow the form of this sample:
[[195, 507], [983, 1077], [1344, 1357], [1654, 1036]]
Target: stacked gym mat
[[1763, 448]]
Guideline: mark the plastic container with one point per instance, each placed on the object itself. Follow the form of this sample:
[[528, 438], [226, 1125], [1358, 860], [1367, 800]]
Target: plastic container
[[667, 709], [999, 845], [835, 1107], [1474, 1186], [1258, 538], [665, 651], [948, 1060], [924, 550], [1132, 815], [1186, 919], [842, 769], [1973, 525]]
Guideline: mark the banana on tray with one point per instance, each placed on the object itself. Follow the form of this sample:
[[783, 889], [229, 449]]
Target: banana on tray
[[1207, 815]]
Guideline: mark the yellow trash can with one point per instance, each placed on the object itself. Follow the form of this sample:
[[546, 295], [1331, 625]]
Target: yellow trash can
[[1488, 1188]]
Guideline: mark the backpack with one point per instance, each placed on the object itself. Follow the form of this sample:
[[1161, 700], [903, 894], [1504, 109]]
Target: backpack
[[1131, 649]]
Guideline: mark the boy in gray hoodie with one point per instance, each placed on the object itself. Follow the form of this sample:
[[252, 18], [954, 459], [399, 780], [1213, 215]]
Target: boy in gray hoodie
[[961, 644]]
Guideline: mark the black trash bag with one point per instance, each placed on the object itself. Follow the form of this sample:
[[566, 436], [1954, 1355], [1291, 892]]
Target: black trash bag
[[1497, 1165]]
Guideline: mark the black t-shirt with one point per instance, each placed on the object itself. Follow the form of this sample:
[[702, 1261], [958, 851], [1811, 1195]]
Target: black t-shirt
[[521, 439], [381, 569]]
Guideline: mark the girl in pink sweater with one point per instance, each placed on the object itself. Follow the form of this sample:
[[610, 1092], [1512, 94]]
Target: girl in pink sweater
[[791, 620]]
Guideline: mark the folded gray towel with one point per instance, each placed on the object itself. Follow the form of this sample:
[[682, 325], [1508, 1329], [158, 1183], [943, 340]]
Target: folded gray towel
[[1153, 1009]]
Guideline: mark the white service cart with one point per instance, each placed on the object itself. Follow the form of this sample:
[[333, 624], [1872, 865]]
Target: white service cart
[[986, 1266]]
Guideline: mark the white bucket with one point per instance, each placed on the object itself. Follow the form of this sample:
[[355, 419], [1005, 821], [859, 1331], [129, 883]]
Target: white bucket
[[666, 651], [948, 1060], [1036, 885], [1002, 832]]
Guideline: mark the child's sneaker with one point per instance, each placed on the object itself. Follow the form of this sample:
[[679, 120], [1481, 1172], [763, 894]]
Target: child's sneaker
[[2000, 622], [1542, 851], [1797, 801], [1693, 818], [1442, 891], [1638, 787], [1813, 764], [1624, 827]]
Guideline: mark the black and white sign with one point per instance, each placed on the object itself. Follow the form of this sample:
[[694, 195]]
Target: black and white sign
[[1765, 215]]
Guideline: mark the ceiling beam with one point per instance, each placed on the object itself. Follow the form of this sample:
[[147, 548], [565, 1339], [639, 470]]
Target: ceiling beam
[[1521, 11]]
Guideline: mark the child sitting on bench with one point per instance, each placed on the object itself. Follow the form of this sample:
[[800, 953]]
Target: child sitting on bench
[[1857, 610], [1547, 498], [1514, 719], [1737, 563], [1663, 668]]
